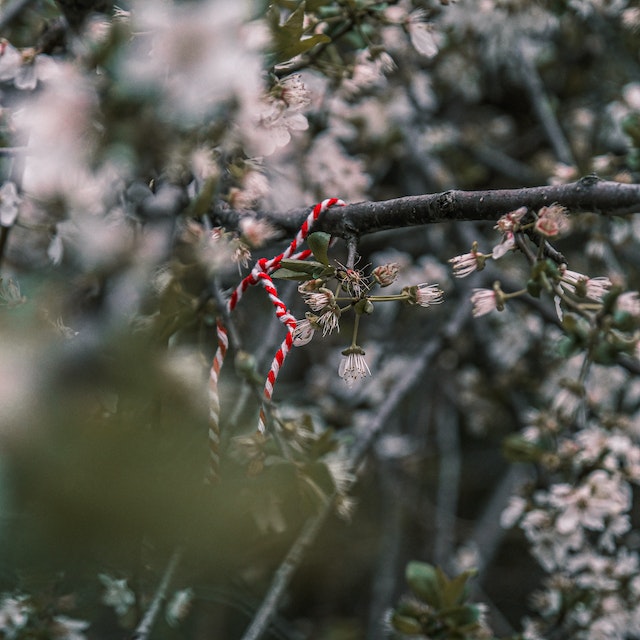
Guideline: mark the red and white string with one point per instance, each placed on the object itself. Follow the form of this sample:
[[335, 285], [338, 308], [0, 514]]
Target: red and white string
[[261, 273]]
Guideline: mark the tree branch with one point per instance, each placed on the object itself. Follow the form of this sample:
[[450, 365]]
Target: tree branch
[[359, 219]]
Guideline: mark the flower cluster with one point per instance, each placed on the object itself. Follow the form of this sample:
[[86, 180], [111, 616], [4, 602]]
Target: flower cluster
[[352, 292], [576, 527]]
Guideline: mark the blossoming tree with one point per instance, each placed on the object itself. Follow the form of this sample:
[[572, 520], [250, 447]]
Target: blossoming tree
[[320, 319]]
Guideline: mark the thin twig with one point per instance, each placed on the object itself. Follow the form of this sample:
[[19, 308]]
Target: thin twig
[[538, 96], [449, 472], [285, 572], [386, 574], [143, 630], [365, 438]]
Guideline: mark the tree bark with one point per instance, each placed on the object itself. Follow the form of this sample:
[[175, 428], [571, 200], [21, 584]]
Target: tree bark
[[359, 219]]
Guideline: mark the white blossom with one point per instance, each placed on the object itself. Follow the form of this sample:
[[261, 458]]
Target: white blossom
[[178, 607], [65, 628], [353, 366], [198, 55], [9, 202], [425, 39], [465, 264], [304, 331], [117, 594], [428, 294], [513, 511], [14, 614]]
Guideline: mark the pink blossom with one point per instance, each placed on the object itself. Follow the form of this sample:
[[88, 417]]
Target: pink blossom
[[428, 294], [508, 242], [484, 301], [465, 264], [424, 38], [386, 274], [552, 221], [583, 286], [510, 221]]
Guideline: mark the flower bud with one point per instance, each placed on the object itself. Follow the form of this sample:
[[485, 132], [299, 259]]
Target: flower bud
[[386, 274]]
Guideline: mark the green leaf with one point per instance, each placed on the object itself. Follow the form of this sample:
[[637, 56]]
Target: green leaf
[[288, 41], [302, 266], [516, 449], [466, 616], [326, 443], [534, 288], [319, 244], [455, 589], [288, 274], [405, 624], [423, 581]]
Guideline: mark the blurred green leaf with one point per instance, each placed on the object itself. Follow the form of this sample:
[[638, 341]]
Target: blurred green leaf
[[423, 580], [289, 38]]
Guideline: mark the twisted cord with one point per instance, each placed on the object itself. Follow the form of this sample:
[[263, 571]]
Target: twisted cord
[[261, 273]]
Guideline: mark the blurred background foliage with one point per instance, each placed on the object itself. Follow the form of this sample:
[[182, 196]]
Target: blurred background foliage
[[108, 306]]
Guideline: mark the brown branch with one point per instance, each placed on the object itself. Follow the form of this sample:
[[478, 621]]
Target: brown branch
[[359, 219]]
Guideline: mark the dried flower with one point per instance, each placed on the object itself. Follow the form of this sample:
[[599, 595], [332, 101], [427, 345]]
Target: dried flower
[[424, 294], [467, 263], [241, 253], [256, 233], [510, 221], [305, 329], [484, 301], [353, 281], [320, 300], [386, 274], [583, 286], [552, 221], [330, 320], [353, 365]]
